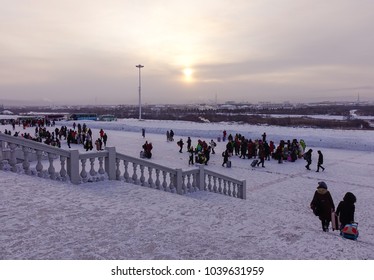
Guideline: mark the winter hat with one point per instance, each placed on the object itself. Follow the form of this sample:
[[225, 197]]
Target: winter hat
[[322, 185]]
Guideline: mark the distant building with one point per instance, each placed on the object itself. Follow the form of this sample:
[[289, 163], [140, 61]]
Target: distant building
[[83, 116], [107, 118]]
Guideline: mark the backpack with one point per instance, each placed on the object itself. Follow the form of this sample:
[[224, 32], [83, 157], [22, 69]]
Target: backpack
[[350, 231]]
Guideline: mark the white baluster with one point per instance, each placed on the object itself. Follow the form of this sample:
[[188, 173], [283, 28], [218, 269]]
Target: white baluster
[[126, 175], [157, 182], [92, 170], [1, 155], [215, 184], [39, 165], [171, 188], [118, 172], [83, 172], [229, 188], [63, 172], [210, 183], [220, 185], [51, 169], [26, 163], [134, 175], [189, 185], [13, 159], [194, 181], [234, 189], [150, 179], [224, 187], [164, 183], [101, 166], [142, 178]]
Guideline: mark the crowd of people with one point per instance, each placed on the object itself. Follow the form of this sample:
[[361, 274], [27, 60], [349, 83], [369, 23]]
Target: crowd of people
[[79, 134], [261, 149]]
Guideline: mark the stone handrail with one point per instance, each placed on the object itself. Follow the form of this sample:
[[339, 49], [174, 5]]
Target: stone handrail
[[18, 145], [218, 183], [108, 164]]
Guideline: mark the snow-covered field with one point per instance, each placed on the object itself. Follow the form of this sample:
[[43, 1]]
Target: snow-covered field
[[43, 219]]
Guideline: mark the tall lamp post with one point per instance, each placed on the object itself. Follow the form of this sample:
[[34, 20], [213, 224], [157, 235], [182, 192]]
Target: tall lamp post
[[140, 90]]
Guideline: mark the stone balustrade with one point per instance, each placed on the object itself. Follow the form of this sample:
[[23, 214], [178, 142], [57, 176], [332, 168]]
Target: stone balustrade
[[33, 158]]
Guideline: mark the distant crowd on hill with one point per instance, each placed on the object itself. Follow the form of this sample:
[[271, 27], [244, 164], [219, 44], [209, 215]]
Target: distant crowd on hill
[[79, 134]]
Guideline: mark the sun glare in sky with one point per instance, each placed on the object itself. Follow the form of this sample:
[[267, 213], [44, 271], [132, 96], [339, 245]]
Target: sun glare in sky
[[187, 73]]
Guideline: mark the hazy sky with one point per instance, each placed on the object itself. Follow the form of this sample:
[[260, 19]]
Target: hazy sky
[[85, 51]]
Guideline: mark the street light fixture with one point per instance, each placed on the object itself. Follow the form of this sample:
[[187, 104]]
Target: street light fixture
[[140, 90]]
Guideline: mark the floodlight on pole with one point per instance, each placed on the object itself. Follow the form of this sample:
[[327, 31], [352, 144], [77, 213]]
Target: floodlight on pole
[[140, 91]]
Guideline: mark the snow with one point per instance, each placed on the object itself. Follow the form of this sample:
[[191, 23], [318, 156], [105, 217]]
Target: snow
[[43, 219]]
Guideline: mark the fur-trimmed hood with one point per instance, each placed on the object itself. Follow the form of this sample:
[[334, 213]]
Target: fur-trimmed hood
[[322, 191]]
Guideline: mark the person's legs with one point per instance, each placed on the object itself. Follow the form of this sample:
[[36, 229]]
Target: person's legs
[[325, 225]]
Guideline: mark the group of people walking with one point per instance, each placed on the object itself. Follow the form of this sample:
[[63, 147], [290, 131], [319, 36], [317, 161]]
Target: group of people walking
[[323, 205], [308, 158]]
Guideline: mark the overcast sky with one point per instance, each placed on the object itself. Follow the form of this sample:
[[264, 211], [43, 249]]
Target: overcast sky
[[85, 51]]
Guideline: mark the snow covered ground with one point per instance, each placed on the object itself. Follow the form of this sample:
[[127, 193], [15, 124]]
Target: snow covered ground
[[43, 219]]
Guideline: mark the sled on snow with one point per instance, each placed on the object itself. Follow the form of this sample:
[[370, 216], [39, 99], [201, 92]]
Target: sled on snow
[[350, 231]]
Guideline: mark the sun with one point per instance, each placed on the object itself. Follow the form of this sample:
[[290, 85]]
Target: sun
[[187, 73]]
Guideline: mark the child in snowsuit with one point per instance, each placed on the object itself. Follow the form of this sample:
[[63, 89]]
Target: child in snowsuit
[[346, 209], [322, 201]]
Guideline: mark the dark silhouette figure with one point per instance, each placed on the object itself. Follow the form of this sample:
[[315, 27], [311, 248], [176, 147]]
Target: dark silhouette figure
[[322, 205], [320, 161], [346, 209]]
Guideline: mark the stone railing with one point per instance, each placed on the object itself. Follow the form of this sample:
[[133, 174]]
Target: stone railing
[[29, 157]]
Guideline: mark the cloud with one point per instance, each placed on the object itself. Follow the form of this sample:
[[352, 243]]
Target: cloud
[[81, 48]]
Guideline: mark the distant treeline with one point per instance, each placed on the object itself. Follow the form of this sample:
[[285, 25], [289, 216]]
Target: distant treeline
[[248, 115]]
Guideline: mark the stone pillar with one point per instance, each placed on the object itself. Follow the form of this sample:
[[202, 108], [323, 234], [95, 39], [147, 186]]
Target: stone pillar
[[110, 163], [244, 190], [179, 181], [201, 178], [73, 167]]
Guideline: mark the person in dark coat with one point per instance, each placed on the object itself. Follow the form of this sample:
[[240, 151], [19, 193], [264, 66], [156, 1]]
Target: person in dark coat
[[189, 141], [105, 138], [171, 135], [320, 161], [261, 155], [308, 158], [322, 201], [346, 209], [180, 144], [207, 155], [225, 156], [192, 153]]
